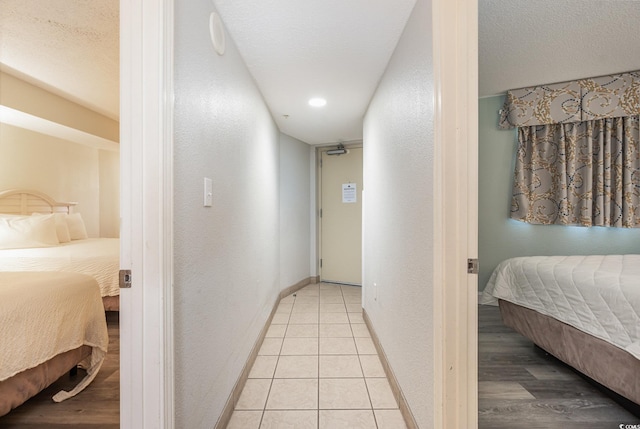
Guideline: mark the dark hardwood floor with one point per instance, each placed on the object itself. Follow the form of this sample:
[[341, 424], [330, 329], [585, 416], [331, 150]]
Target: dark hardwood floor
[[97, 407], [520, 386]]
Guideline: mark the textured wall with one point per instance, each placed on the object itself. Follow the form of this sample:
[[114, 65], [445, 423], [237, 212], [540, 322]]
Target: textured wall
[[295, 205], [109, 164], [397, 210], [499, 236], [64, 170], [226, 257]]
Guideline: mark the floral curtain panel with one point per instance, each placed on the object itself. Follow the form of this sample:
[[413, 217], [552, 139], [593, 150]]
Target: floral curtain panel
[[584, 173], [596, 98], [578, 160]]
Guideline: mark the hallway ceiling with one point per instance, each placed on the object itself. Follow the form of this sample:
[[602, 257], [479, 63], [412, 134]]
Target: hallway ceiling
[[337, 49]]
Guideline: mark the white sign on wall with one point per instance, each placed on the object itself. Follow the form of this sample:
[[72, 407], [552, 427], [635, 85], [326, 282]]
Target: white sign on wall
[[349, 194]]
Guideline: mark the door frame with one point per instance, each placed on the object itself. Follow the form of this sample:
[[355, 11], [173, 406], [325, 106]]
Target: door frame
[[319, 150], [455, 53], [146, 27], [146, 210]]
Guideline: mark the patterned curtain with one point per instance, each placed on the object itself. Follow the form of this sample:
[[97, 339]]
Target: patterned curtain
[[579, 152], [582, 173]]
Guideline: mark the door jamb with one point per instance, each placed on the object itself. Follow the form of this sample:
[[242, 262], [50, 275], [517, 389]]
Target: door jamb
[[455, 48], [146, 190], [146, 136]]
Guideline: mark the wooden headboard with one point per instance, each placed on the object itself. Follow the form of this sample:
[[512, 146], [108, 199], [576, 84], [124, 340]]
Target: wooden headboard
[[26, 202]]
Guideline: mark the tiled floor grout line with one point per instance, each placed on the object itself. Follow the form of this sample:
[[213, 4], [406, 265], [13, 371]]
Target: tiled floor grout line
[[344, 369], [264, 408]]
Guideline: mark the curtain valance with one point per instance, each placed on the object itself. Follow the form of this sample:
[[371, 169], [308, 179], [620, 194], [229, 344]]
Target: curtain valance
[[580, 100]]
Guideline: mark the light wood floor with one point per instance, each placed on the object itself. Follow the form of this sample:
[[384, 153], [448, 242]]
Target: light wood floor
[[97, 407], [520, 386]]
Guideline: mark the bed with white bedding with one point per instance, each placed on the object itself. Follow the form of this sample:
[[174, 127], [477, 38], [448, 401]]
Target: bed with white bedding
[[28, 244], [49, 323], [585, 310], [97, 257]]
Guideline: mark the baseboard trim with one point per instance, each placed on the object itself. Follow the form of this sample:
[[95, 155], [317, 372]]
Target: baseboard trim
[[225, 417], [395, 387], [296, 287]]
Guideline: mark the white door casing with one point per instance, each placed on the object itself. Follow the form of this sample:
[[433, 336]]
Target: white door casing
[[455, 48], [146, 111]]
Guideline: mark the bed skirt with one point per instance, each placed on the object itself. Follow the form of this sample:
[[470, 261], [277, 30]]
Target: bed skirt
[[111, 303], [18, 389], [609, 365]]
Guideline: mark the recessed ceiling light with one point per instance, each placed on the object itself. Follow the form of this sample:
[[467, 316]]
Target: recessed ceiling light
[[317, 102]]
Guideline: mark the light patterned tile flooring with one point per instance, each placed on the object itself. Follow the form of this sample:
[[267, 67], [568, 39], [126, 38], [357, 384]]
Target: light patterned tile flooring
[[318, 368]]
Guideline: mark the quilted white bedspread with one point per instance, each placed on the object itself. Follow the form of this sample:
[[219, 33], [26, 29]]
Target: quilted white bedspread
[[97, 257], [599, 295], [43, 314]]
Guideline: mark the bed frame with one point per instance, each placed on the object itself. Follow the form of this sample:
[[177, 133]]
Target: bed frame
[[610, 366], [26, 202], [18, 389]]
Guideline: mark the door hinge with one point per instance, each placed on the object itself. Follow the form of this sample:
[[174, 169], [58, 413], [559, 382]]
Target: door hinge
[[320, 212], [320, 263], [320, 162], [125, 279], [472, 266]]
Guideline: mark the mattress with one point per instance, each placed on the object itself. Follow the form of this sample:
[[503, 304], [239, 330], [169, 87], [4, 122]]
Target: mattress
[[44, 314], [97, 257], [597, 294]]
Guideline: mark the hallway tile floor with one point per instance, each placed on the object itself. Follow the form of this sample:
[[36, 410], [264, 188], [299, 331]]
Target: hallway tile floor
[[318, 368]]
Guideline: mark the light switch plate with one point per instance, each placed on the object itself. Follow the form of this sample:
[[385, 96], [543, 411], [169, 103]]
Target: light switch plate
[[208, 192]]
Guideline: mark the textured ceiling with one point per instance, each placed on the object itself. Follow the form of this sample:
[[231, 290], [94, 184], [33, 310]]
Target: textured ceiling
[[335, 49], [525, 43], [70, 47], [338, 49]]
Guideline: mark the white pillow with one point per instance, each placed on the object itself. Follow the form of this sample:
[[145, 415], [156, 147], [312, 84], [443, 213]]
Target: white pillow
[[62, 230], [20, 232], [77, 230]]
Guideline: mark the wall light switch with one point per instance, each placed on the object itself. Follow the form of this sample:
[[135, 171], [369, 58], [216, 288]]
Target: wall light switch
[[208, 192]]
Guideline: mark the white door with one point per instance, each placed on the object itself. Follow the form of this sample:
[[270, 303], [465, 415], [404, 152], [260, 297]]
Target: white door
[[341, 217]]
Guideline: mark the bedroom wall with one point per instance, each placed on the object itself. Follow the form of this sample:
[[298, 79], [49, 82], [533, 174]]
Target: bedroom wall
[[109, 185], [295, 205], [397, 209], [226, 257], [64, 170], [25, 97], [499, 236]]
